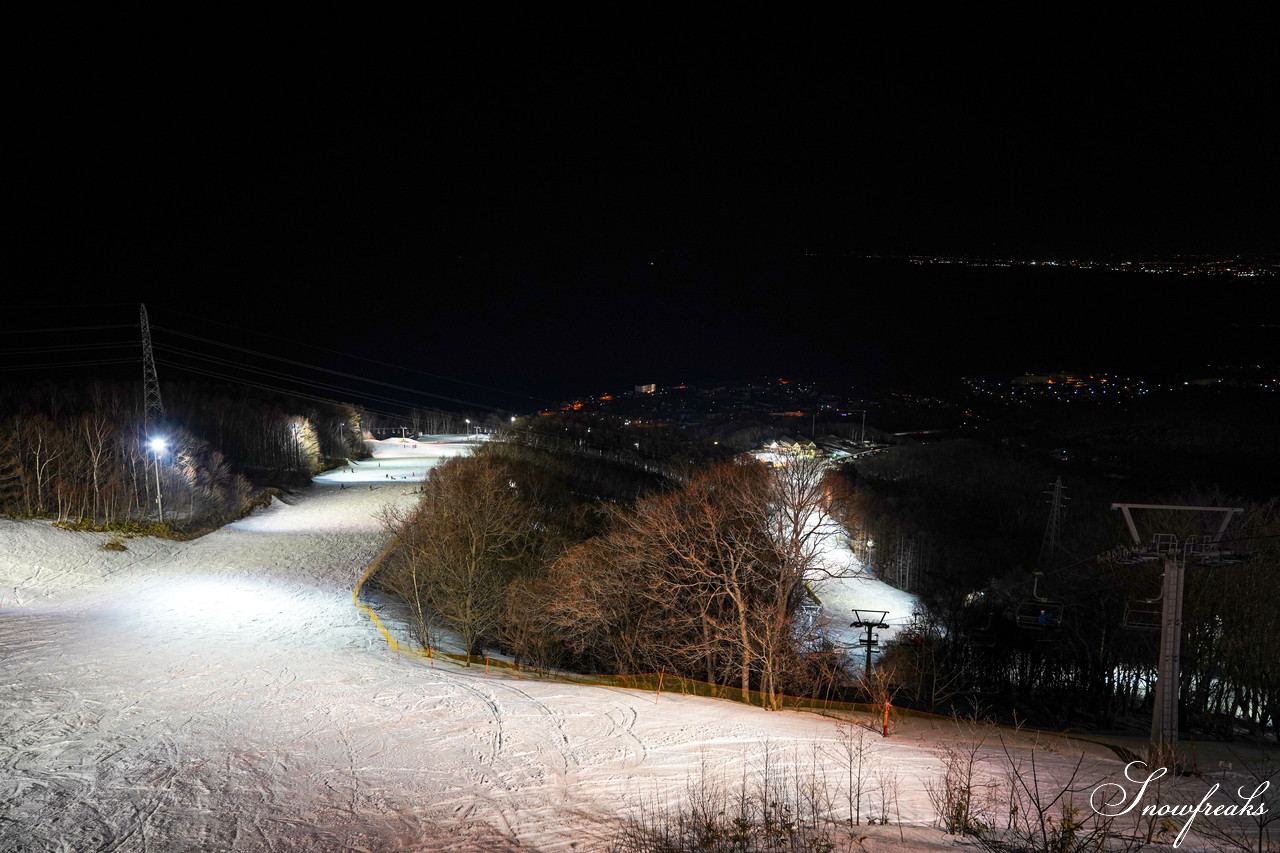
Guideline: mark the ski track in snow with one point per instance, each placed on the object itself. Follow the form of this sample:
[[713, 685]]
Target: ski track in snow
[[224, 694]]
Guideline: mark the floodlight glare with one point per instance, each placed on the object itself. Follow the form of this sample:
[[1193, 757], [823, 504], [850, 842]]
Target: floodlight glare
[[158, 445]]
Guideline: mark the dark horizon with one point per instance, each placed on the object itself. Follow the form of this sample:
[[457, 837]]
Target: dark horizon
[[595, 224], [518, 333]]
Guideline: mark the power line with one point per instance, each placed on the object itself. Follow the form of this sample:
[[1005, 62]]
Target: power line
[[95, 363], [66, 348], [328, 370], [364, 358], [310, 382], [298, 394], [272, 374], [66, 329], [258, 354]]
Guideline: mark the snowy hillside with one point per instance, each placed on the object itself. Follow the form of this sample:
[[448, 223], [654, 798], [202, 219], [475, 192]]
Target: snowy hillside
[[842, 584], [225, 694]]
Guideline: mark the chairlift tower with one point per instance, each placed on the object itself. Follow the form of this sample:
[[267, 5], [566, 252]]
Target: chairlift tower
[[1164, 716], [870, 620]]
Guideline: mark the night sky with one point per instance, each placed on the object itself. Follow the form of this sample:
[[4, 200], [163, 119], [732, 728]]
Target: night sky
[[576, 221]]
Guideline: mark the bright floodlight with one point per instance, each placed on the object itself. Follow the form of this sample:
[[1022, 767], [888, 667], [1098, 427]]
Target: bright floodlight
[[159, 445]]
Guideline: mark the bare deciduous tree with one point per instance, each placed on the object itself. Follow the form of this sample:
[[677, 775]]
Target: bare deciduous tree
[[704, 580], [472, 535]]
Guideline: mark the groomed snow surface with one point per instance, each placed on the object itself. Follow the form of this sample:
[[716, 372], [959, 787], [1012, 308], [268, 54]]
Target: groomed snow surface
[[225, 694]]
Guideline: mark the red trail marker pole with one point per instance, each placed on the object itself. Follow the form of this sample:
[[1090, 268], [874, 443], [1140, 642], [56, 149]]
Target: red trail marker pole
[[660, 674]]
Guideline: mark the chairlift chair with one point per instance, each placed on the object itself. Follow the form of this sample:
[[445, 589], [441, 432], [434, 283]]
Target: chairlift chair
[[1140, 615], [1140, 619], [982, 635], [983, 639], [1037, 613]]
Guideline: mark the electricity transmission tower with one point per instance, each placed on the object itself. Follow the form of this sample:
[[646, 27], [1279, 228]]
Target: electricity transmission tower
[[153, 407], [1053, 530]]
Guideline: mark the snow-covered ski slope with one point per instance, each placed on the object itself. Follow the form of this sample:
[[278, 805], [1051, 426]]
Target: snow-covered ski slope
[[841, 583], [225, 694]]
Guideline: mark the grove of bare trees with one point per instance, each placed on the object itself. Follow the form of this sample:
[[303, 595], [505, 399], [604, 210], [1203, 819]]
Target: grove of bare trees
[[80, 453], [478, 528], [703, 580]]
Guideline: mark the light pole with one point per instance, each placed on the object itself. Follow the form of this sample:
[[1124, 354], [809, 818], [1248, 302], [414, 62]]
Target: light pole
[[468, 420], [158, 446]]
